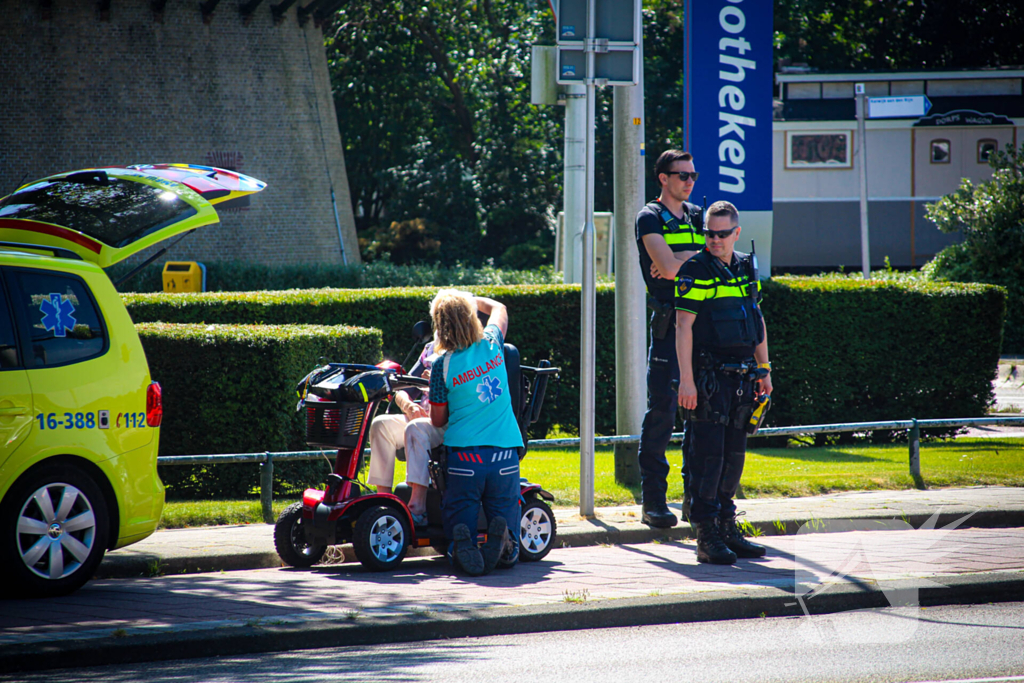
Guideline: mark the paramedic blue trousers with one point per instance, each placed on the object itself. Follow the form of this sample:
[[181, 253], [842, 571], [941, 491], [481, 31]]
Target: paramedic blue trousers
[[486, 476]]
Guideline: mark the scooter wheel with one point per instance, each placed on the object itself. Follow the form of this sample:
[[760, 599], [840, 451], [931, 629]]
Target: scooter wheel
[[537, 531], [381, 537], [290, 539]]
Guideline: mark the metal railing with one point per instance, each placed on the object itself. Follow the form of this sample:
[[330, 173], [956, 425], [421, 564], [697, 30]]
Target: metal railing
[[267, 459]]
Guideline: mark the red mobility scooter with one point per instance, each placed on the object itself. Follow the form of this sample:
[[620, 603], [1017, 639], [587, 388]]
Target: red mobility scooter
[[340, 400]]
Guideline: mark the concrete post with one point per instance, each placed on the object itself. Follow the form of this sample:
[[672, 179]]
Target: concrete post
[[630, 307], [267, 488], [574, 182]]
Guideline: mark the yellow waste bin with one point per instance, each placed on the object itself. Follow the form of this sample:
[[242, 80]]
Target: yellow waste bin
[[184, 276]]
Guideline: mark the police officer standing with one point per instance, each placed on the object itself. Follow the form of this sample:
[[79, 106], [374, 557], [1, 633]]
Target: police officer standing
[[668, 233], [722, 349]]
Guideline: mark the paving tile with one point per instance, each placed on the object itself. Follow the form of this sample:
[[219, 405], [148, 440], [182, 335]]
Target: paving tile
[[599, 572]]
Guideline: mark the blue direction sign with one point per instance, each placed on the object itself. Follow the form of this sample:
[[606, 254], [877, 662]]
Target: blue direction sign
[[910, 106]]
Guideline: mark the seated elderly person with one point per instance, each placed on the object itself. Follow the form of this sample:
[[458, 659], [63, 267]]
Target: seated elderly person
[[413, 430]]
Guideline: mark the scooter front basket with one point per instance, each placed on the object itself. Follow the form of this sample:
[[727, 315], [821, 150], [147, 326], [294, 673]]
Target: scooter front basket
[[330, 424]]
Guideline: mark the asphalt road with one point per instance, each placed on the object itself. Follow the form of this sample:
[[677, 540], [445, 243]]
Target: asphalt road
[[981, 643]]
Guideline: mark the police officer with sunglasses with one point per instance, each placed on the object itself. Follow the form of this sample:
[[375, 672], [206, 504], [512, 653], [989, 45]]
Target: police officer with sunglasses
[[668, 233], [722, 351]]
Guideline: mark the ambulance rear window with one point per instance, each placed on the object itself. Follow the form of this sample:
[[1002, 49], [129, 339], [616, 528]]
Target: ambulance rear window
[[114, 211]]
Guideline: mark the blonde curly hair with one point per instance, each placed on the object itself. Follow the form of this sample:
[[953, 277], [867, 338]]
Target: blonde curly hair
[[456, 325]]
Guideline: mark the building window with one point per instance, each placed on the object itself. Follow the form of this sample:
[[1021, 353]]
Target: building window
[[820, 149], [986, 147], [940, 151]]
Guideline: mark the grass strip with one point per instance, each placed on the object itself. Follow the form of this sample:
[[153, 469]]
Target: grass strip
[[769, 472]]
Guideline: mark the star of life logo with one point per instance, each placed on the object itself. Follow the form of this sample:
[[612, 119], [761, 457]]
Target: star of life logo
[[489, 389], [857, 558], [58, 315]]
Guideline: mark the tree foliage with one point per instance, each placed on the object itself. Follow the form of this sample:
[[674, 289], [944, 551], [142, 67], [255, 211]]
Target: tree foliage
[[434, 106], [899, 34], [990, 216]]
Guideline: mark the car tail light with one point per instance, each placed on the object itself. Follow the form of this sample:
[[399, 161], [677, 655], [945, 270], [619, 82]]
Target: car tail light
[[154, 405]]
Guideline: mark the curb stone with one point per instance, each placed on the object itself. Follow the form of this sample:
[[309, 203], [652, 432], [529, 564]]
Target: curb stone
[[250, 638], [133, 564]]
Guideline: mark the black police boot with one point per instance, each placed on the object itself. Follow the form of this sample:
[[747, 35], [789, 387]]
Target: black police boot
[[658, 516], [710, 546], [737, 543]]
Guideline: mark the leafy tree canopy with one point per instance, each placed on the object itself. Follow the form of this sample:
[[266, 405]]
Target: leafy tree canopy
[[433, 102], [990, 216], [899, 34]]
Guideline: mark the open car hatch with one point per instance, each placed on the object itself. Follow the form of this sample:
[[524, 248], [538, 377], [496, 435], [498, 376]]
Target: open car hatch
[[106, 215], [221, 187]]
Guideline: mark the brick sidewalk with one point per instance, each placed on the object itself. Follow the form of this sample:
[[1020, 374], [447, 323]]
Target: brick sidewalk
[[567, 576]]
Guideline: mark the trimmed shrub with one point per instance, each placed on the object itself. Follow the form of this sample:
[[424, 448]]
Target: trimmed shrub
[[848, 350], [231, 389], [236, 276], [844, 350], [544, 324]]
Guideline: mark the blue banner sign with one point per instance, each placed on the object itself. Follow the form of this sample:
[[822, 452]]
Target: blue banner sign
[[727, 117]]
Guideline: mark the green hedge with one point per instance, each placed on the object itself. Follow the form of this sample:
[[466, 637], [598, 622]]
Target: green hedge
[[544, 323], [843, 350], [236, 276], [848, 350], [231, 389]]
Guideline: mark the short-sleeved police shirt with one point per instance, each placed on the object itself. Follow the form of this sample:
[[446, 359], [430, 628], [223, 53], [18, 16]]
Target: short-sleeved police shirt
[[696, 284], [688, 238]]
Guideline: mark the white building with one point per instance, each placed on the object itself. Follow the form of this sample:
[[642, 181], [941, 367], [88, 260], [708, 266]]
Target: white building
[[911, 162]]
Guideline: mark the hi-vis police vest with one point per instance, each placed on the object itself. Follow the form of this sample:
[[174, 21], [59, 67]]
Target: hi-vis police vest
[[684, 234], [680, 236], [725, 301]]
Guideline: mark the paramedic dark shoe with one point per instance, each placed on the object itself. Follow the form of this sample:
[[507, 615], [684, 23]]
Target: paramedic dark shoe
[[467, 556], [497, 532]]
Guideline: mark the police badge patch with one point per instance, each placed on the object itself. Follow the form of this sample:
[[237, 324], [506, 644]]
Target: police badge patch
[[683, 285]]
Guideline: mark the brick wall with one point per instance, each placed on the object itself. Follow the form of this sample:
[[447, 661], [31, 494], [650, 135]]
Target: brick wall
[[79, 88]]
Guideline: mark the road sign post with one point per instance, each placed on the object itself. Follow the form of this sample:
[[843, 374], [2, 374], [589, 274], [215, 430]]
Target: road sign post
[[597, 45], [910, 106], [862, 163]]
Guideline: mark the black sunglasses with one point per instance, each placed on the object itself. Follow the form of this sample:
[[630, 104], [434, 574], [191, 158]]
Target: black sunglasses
[[719, 234], [684, 175]]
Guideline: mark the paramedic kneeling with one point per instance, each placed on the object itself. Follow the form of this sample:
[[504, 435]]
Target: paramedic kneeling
[[722, 349], [469, 392]]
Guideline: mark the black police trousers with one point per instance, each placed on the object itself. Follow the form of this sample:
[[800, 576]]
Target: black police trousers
[[718, 451], [660, 419]]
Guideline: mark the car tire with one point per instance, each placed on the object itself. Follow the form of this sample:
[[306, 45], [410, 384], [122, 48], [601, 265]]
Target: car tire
[[537, 531], [381, 538], [53, 532], [290, 539]]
